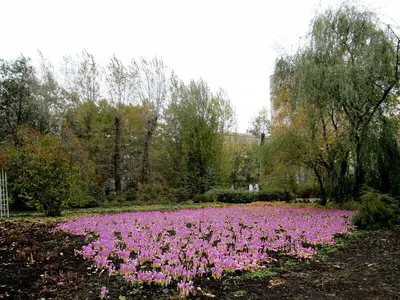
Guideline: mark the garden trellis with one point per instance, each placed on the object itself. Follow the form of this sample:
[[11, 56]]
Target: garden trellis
[[4, 210]]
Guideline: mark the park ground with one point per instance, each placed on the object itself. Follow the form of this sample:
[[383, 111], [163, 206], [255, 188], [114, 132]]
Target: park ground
[[38, 264]]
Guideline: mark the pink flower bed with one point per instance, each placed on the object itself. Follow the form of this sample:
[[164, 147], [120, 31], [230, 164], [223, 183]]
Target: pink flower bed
[[181, 246]]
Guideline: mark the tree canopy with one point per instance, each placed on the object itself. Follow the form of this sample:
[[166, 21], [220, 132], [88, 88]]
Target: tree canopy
[[115, 128], [336, 94]]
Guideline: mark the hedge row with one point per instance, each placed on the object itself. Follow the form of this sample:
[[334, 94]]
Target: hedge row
[[240, 196]]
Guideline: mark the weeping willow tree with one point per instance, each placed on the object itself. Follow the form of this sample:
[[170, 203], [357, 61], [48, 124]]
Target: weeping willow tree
[[335, 92]]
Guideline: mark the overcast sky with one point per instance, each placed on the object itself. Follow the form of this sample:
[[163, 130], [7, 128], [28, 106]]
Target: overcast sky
[[230, 44]]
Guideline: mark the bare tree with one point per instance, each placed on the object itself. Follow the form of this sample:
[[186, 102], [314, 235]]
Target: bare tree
[[67, 74], [121, 86], [52, 102], [81, 77], [152, 81], [82, 81], [88, 77]]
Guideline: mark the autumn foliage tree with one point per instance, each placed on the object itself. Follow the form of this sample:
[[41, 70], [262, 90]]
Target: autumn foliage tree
[[49, 174], [38, 169]]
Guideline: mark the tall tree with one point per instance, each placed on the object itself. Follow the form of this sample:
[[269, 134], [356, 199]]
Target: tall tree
[[362, 73], [345, 75], [260, 124], [152, 87], [196, 122], [120, 89], [93, 124], [82, 79], [88, 77], [52, 100], [241, 166], [18, 96]]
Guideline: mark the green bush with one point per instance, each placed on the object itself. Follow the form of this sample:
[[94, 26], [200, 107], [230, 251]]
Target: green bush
[[39, 172], [82, 193], [110, 198], [214, 193], [119, 198], [144, 198], [201, 198], [350, 205], [49, 174], [130, 194], [347, 205], [179, 195], [376, 211], [308, 191], [91, 203], [80, 198], [154, 193], [241, 196]]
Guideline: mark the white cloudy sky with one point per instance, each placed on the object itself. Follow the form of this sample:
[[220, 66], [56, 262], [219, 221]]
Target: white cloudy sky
[[230, 44]]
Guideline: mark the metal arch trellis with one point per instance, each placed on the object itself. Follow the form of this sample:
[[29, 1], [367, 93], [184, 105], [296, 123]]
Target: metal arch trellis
[[4, 209]]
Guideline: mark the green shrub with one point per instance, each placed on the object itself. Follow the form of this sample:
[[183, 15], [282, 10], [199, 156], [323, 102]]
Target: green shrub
[[130, 194], [39, 172], [81, 195], [201, 198], [308, 191], [97, 193], [213, 193], [154, 193], [350, 205], [110, 198], [376, 211], [91, 203], [49, 174], [144, 198], [241, 196], [179, 195], [119, 198]]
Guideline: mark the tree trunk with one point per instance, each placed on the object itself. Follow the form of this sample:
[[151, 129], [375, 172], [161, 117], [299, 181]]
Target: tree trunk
[[151, 125], [117, 145], [359, 171], [342, 188], [55, 207], [262, 138], [88, 128], [321, 186]]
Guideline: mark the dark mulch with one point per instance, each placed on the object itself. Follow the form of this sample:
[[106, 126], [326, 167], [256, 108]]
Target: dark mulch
[[367, 267], [35, 263]]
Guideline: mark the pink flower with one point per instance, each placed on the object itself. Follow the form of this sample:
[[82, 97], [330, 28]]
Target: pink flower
[[103, 292], [158, 247], [185, 288]]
